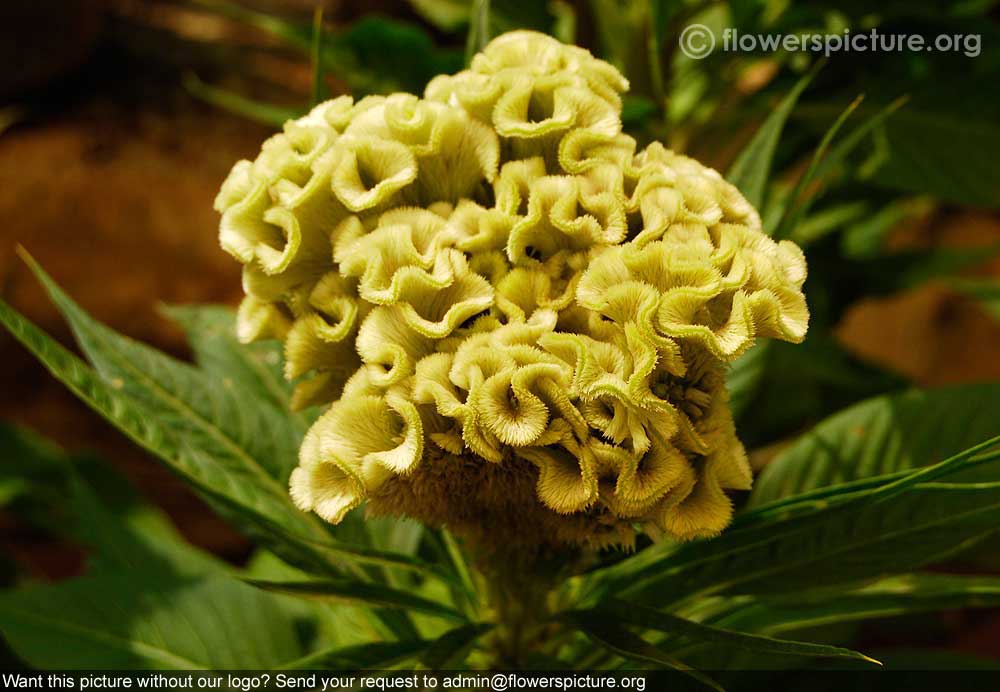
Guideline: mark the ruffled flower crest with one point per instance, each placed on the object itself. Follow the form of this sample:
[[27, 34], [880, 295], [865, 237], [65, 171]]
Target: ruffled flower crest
[[518, 323]]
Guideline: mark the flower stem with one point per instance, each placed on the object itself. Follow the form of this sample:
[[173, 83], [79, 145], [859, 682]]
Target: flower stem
[[520, 593]]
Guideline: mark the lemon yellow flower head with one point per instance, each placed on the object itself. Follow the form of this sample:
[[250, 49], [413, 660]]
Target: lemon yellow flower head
[[518, 324]]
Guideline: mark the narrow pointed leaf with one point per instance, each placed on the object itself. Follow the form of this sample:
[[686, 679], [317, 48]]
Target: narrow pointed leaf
[[375, 54], [139, 539], [257, 368], [908, 522], [821, 166], [902, 595], [377, 655], [458, 561], [451, 648], [258, 111], [745, 376], [293, 33], [81, 499], [258, 440], [269, 516], [752, 168], [479, 28], [881, 436], [790, 211], [621, 641], [319, 90], [842, 544], [637, 615], [126, 621], [944, 152], [352, 591], [211, 467]]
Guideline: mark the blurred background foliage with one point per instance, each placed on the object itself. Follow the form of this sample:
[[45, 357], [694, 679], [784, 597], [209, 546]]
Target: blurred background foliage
[[123, 117]]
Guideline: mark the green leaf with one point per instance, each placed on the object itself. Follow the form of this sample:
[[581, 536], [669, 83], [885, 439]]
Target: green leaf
[[450, 649], [373, 55], [882, 436], [950, 156], [31, 465], [902, 524], [264, 510], [621, 641], [565, 22], [293, 33], [224, 442], [636, 110], [125, 621], [745, 376], [258, 368], [326, 626], [895, 596], [83, 500], [479, 29], [636, 615], [264, 113], [792, 209], [261, 442], [394, 560], [864, 237], [211, 332], [211, 467], [846, 543], [449, 555], [352, 591], [820, 166], [660, 11], [376, 655], [913, 269], [844, 216], [752, 168], [973, 460], [319, 91], [139, 538], [381, 55], [458, 561], [121, 411], [505, 15], [984, 290], [447, 15], [793, 385]]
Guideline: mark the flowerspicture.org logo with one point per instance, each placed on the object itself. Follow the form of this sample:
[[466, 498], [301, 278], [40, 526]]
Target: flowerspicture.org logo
[[697, 41]]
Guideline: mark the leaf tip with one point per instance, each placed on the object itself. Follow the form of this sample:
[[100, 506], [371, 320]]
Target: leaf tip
[[869, 659], [25, 256]]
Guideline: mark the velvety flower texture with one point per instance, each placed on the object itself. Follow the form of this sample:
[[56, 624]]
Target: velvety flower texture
[[519, 325]]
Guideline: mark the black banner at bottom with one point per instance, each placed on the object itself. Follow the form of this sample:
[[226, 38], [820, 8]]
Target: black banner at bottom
[[505, 681]]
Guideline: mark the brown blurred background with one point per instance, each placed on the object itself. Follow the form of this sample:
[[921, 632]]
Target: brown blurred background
[[108, 169]]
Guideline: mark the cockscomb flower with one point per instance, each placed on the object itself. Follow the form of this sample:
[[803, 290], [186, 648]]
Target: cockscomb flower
[[518, 324]]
